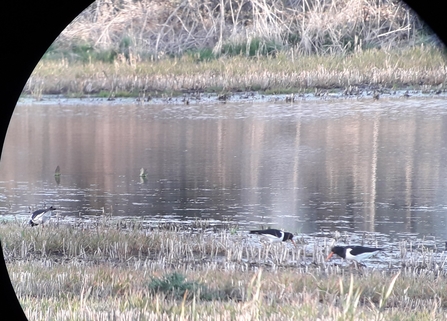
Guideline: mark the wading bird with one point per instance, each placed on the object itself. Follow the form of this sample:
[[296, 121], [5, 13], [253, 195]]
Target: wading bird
[[41, 216], [274, 235], [355, 253]]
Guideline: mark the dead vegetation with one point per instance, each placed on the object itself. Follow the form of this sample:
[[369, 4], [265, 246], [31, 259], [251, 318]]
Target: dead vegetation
[[109, 270], [152, 48], [155, 29], [418, 68]]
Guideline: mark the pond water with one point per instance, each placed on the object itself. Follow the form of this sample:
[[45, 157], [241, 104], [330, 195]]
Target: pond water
[[310, 166]]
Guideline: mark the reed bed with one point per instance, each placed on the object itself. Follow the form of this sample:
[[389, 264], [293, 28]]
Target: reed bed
[[252, 27], [153, 48], [111, 270], [418, 68]]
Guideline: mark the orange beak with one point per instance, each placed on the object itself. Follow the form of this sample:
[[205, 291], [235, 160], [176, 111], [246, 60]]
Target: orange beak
[[293, 242], [329, 256]]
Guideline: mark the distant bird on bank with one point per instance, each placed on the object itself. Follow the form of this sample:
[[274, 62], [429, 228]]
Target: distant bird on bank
[[57, 175], [356, 253], [41, 216], [274, 235], [143, 172], [376, 95]]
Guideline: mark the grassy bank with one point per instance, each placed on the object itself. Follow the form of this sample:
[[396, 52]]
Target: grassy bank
[[110, 270], [152, 48], [418, 68]]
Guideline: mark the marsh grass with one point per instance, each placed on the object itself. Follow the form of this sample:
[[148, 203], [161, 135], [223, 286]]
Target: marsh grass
[[129, 30], [154, 48], [418, 68], [104, 269]]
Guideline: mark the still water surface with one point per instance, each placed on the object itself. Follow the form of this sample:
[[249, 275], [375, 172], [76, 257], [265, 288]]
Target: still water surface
[[307, 167]]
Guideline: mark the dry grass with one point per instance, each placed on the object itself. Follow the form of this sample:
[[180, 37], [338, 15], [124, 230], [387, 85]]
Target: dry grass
[[107, 270], [164, 48], [158, 28], [419, 67]]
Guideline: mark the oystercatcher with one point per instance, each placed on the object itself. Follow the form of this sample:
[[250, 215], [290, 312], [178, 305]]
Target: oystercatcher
[[356, 253], [41, 216], [274, 235]]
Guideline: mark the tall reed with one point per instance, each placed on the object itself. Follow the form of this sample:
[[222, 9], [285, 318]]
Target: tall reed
[[154, 29]]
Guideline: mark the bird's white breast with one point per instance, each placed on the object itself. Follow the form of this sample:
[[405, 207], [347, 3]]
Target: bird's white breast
[[273, 238], [358, 257]]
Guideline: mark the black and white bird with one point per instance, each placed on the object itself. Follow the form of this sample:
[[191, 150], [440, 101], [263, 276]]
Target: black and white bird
[[274, 235], [356, 253], [41, 216]]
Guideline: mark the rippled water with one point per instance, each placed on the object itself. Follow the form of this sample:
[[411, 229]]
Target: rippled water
[[309, 167]]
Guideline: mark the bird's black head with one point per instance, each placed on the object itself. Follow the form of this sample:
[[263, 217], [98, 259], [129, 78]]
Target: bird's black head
[[32, 223], [288, 236], [51, 208], [339, 250]]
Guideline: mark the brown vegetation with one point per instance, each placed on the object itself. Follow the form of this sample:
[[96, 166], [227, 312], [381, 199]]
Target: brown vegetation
[[154, 48], [157, 28], [107, 269], [418, 69]]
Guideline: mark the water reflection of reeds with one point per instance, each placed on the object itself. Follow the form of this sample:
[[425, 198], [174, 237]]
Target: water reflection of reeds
[[310, 166]]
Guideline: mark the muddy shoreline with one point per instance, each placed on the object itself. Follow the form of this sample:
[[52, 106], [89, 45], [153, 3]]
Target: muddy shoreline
[[240, 97]]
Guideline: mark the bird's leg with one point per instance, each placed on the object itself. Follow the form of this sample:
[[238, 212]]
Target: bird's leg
[[358, 264]]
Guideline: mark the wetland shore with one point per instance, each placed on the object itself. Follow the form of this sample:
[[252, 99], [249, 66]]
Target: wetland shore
[[111, 269], [420, 69]]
